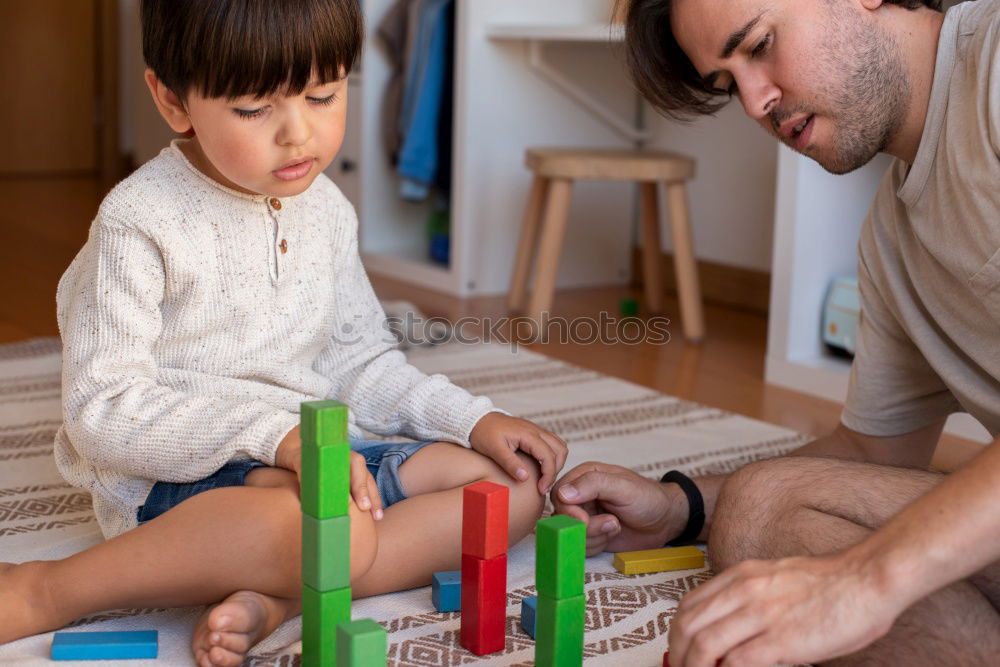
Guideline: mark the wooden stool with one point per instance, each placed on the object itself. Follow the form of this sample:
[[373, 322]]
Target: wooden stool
[[555, 170]]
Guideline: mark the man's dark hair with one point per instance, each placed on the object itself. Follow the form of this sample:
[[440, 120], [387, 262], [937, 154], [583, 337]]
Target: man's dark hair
[[664, 74], [232, 48]]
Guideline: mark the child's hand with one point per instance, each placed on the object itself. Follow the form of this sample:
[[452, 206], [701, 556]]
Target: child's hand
[[363, 487], [498, 436], [289, 453]]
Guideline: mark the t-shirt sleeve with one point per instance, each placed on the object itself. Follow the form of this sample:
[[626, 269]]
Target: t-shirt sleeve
[[892, 389]]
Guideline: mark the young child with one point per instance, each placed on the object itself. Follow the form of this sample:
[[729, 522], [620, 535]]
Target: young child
[[220, 287]]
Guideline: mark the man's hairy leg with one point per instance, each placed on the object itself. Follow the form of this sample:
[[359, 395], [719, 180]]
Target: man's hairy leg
[[808, 506]]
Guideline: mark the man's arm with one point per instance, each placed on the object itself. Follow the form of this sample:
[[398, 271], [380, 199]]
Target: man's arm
[[625, 511], [765, 612]]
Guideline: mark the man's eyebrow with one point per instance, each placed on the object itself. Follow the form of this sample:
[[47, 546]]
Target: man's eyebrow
[[732, 43]]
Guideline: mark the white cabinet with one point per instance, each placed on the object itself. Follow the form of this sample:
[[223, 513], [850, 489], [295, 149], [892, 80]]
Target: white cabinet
[[501, 107]]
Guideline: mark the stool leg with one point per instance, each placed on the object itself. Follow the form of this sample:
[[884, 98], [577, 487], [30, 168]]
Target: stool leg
[[652, 276], [553, 231], [688, 289], [527, 245]]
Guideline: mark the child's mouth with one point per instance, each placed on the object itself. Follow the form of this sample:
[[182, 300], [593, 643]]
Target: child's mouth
[[295, 170]]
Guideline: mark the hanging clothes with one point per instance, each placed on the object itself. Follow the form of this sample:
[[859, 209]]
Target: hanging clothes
[[425, 116]]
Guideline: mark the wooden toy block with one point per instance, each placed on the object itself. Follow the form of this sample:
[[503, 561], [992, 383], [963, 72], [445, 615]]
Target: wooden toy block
[[484, 604], [666, 659], [559, 631], [560, 551], [326, 459], [105, 645], [446, 590], [484, 519], [361, 643], [321, 613], [659, 560], [529, 610], [323, 423], [326, 552]]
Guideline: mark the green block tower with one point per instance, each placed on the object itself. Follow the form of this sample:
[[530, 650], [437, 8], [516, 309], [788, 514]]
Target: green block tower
[[561, 547], [326, 529]]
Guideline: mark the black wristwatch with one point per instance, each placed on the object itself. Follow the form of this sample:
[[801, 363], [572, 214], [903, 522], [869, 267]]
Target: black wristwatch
[[696, 505]]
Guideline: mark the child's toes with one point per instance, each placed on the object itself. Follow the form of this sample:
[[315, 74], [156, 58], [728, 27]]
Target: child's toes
[[235, 642], [221, 657]]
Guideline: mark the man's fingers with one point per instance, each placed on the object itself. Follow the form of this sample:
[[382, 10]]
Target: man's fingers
[[359, 481], [598, 485]]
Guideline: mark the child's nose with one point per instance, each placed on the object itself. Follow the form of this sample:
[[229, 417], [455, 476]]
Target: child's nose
[[295, 131]]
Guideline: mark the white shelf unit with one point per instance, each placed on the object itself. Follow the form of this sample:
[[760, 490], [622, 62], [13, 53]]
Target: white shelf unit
[[817, 220], [501, 107]]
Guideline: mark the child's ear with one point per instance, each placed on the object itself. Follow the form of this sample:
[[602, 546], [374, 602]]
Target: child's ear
[[168, 104]]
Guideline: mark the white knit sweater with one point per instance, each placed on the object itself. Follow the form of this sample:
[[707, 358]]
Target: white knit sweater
[[190, 337]]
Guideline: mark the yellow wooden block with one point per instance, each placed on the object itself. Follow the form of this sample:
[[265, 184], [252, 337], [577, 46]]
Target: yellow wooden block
[[659, 560]]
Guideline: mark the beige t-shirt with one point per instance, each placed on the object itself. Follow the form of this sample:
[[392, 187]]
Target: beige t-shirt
[[929, 254]]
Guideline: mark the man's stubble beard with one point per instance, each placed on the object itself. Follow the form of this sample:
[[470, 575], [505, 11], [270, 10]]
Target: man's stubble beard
[[869, 95]]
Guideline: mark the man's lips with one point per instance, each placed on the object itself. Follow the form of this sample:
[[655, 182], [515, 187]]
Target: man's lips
[[294, 169]]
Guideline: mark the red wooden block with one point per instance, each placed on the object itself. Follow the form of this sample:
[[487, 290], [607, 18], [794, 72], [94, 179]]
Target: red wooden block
[[666, 659], [484, 519], [484, 603]]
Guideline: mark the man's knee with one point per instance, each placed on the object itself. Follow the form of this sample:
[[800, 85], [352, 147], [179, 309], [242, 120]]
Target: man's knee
[[750, 507]]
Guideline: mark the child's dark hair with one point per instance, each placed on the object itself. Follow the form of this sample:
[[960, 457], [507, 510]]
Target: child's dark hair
[[664, 74], [232, 48]]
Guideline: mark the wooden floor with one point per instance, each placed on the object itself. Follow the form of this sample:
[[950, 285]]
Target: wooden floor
[[44, 222]]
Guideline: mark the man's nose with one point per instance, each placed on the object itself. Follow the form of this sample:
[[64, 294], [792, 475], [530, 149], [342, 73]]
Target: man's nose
[[759, 96]]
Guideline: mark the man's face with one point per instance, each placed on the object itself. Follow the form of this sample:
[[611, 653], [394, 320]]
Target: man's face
[[820, 75]]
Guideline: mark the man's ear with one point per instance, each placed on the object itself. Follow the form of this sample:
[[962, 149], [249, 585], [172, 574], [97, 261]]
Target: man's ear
[[168, 104]]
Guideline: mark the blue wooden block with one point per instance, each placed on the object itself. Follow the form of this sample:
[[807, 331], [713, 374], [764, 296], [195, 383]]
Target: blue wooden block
[[104, 645], [529, 607], [446, 590]]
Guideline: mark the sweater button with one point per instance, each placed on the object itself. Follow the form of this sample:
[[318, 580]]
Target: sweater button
[[275, 203], [284, 246]]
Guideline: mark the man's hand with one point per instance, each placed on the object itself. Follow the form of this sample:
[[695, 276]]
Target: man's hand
[[364, 491], [793, 610], [623, 511], [498, 436]]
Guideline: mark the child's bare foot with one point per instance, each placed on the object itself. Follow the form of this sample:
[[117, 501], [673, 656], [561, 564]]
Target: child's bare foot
[[226, 631], [24, 606]]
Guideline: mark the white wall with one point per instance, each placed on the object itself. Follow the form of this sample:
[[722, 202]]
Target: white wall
[[732, 194]]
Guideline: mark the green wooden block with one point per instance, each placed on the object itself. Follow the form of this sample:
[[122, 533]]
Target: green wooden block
[[560, 550], [321, 614], [326, 459], [326, 552], [323, 423], [559, 631], [361, 643]]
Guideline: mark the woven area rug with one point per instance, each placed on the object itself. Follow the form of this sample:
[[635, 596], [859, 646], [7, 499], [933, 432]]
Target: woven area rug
[[602, 418]]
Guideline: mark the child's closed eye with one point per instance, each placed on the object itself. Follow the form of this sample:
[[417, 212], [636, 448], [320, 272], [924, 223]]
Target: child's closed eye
[[324, 101]]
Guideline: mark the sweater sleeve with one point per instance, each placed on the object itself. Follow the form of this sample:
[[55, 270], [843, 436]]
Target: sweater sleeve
[[387, 395], [116, 413]]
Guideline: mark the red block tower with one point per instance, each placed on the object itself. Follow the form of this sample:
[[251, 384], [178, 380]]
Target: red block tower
[[484, 567]]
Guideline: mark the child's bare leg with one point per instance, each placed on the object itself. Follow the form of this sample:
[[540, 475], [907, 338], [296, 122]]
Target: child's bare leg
[[200, 552], [422, 534]]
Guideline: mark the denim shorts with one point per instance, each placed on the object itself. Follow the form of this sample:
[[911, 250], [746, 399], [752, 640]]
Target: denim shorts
[[383, 460]]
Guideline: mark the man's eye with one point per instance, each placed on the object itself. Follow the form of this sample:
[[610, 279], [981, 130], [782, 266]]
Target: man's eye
[[761, 46]]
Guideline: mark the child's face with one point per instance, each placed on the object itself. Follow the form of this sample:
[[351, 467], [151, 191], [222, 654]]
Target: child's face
[[274, 146]]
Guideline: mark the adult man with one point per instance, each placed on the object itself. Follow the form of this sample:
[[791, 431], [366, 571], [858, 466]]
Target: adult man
[[873, 559]]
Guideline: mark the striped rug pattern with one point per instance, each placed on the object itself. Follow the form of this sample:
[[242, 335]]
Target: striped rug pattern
[[602, 418]]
